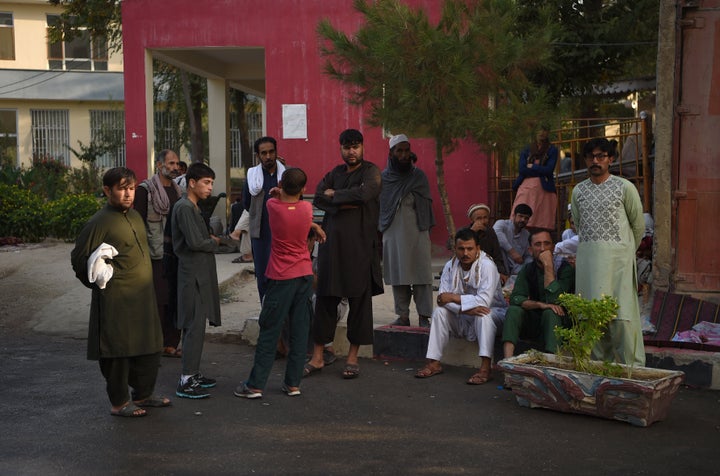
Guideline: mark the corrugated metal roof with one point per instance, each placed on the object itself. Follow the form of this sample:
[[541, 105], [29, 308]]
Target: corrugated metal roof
[[61, 85]]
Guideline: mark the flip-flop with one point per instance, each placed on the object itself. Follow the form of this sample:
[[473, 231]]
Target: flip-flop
[[129, 411], [351, 371], [153, 401], [427, 372], [310, 369]]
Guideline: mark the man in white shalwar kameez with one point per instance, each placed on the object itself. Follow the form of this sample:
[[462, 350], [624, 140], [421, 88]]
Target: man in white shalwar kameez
[[470, 305], [608, 215]]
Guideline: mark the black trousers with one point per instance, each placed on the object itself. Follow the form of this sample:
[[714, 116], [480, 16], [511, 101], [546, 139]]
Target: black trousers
[[359, 320], [139, 372]]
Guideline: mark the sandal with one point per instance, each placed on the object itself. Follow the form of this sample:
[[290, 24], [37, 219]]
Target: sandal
[[310, 369], [129, 410], [172, 352], [480, 377], [428, 371], [153, 401], [351, 371]]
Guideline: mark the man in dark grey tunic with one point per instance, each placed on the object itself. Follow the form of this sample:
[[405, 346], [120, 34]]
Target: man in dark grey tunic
[[349, 260], [111, 257], [405, 219]]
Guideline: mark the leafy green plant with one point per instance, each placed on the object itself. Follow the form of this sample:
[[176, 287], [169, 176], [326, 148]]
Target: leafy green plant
[[86, 180], [590, 319], [46, 177], [69, 214], [23, 214]]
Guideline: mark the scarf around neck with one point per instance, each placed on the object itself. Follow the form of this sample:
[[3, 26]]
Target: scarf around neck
[[158, 196], [256, 178]]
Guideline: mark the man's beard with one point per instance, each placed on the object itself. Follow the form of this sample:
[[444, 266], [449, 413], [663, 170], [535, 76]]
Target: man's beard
[[402, 167]]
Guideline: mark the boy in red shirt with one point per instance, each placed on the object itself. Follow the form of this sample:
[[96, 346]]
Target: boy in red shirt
[[290, 286]]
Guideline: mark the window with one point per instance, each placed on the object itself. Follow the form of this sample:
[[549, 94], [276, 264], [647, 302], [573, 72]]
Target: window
[[7, 36], [166, 127], [50, 134], [81, 53], [8, 137], [107, 130], [254, 123]]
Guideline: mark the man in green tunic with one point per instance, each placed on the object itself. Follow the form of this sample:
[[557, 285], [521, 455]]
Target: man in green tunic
[[608, 215], [111, 257]]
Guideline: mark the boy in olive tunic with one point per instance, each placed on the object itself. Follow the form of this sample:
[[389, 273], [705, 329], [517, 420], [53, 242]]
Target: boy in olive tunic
[[198, 295], [124, 332]]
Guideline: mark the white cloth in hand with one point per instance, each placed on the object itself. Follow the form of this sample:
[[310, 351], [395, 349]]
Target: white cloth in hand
[[100, 272]]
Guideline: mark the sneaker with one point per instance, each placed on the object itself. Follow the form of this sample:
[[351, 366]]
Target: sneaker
[[205, 382], [290, 392], [424, 322], [243, 391], [191, 389]]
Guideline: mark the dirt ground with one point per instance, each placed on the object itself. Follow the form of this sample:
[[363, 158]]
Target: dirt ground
[[40, 291]]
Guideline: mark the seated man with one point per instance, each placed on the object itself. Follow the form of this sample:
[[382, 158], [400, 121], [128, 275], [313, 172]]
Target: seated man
[[533, 311], [469, 286], [479, 215], [513, 238]]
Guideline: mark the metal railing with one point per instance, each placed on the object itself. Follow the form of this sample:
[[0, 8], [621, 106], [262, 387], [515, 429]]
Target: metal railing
[[634, 162]]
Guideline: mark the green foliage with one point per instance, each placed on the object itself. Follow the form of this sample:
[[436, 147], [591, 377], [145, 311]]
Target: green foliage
[[85, 180], [9, 174], [69, 214], [590, 319], [101, 18], [22, 214], [46, 177], [462, 77]]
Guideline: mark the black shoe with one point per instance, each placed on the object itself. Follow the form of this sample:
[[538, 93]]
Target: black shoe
[[401, 321], [424, 321], [243, 391], [205, 382], [191, 389]]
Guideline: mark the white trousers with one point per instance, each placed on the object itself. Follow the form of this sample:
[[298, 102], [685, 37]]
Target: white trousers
[[473, 328], [243, 225]]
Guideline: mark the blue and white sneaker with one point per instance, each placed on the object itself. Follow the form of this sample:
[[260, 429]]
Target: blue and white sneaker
[[191, 389]]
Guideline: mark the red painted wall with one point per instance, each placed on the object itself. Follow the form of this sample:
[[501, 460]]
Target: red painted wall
[[286, 30]]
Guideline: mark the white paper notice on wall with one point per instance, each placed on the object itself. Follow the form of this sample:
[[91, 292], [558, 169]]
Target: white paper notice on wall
[[294, 118]]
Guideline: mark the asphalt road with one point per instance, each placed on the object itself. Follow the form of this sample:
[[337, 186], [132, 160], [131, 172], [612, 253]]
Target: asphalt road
[[55, 420]]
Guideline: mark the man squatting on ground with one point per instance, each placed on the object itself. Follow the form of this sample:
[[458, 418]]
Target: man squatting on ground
[[348, 261], [406, 217], [154, 199], [289, 286], [198, 296], [256, 192], [470, 304], [112, 258], [609, 218], [533, 310], [514, 238]]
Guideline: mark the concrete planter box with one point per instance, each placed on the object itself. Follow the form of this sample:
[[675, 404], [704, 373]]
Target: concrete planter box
[[641, 400]]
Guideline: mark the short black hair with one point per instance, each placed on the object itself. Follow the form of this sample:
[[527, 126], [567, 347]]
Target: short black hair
[[198, 170], [351, 137], [293, 180], [600, 143], [523, 209], [467, 234], [116, 175], [536, 232], [262, 140]]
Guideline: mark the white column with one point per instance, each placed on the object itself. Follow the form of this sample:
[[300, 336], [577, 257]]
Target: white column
[[219, 142]]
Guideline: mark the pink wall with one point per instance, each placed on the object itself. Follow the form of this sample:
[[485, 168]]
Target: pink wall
[[286, 30]]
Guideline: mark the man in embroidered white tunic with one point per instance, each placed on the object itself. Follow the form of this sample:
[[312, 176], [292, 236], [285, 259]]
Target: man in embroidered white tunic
[[470, 305], [608, 215]]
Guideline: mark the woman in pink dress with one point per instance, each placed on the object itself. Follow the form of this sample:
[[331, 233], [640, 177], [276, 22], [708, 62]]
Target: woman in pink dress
[[535, 184]]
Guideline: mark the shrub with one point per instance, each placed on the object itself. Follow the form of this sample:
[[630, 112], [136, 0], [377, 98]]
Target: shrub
[[23, 214], [85, 180], [68, 215], [47, 177]]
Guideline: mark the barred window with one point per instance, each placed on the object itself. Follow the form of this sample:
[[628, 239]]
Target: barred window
[[254, 121], [8, 137], [50, 134], [107, 130]]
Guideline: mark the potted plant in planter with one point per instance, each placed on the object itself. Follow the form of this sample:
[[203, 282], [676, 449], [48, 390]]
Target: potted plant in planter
[[572, 382]]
